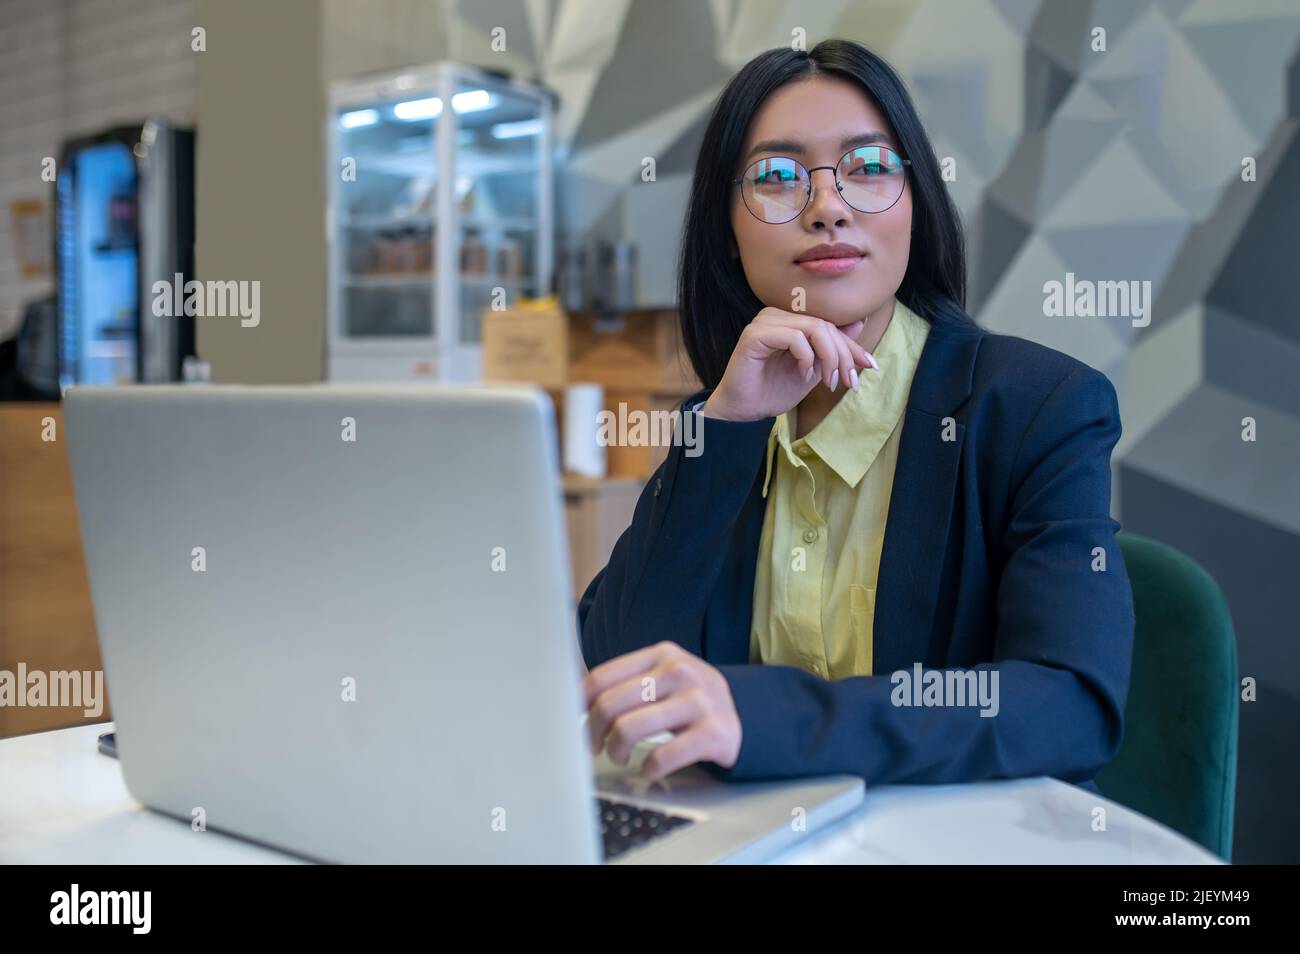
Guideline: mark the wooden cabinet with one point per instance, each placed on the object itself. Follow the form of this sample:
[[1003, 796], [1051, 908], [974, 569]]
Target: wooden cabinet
[[597, 511], [641, 351]]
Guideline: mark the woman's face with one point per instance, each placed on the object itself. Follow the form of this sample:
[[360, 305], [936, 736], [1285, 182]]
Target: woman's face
[[819, 114]]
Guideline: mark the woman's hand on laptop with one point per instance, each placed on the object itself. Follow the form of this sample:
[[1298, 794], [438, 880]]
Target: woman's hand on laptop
[[657, 689]]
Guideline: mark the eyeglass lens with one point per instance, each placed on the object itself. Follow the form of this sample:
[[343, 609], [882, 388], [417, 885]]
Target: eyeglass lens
[[777, 188]]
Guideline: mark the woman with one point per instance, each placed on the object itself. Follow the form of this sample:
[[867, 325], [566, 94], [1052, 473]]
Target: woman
[[894, 556]]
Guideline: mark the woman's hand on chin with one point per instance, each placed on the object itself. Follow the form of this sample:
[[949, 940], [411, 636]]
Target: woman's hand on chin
[[780, 357]]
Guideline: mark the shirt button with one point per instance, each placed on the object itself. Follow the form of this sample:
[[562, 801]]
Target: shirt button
[[804, 451], [810, 536], [817, 669]]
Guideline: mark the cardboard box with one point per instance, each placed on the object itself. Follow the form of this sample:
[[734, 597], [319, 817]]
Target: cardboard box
[[528, 343], [536, 342]]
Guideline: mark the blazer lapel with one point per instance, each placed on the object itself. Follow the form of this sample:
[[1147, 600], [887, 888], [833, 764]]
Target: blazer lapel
[[920, 504]]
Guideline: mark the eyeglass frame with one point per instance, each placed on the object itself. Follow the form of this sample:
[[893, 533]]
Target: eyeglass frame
[[839, 187]]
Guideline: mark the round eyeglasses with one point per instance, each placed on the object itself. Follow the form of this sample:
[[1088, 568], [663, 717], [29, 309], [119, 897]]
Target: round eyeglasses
[[869, 179]]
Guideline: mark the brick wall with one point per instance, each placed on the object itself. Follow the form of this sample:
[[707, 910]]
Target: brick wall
[[71, 67]]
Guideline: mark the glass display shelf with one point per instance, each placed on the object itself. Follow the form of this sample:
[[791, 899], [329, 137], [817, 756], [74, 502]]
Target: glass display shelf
[[416, 255]]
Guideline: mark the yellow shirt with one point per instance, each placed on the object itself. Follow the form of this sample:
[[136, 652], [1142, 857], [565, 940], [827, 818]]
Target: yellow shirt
[[824, 526]]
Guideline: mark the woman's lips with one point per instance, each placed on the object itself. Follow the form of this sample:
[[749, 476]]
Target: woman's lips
[[832, 266]]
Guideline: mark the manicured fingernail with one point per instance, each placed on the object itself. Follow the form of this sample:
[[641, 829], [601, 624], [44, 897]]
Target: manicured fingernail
[[853, 378], [812, 371], [835, 379], [871, 360]]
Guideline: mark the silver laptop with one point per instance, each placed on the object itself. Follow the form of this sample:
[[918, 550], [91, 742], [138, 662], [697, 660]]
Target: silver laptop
[[338, 621]]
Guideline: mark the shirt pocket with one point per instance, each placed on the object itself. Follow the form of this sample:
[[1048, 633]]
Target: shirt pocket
[[862, 613]]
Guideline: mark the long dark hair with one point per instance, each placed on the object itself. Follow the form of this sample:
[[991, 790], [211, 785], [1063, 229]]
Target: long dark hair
[[714, 299]]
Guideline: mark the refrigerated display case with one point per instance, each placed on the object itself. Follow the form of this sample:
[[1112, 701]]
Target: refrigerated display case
[[434, 215], [124, 219]]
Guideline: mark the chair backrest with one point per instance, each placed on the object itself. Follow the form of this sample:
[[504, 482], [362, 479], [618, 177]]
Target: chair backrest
[[1178, 759]]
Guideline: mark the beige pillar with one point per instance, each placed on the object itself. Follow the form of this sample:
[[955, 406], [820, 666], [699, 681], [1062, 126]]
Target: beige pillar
[[261, 189]]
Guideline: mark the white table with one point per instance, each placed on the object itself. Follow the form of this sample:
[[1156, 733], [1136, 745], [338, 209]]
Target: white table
[[61, 802]]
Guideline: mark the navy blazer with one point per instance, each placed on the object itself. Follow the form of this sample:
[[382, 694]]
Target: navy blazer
[[999, 554]]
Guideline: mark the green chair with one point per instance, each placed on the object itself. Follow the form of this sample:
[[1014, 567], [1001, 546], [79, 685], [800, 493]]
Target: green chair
[[1177, 762]]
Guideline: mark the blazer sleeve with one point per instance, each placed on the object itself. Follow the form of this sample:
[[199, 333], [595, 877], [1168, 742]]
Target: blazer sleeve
[[1062, 649], [679, 528]]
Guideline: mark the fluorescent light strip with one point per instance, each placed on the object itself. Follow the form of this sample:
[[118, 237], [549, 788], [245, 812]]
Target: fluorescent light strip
[[413, 109], [517, 130], [472, 100], [358, 118]]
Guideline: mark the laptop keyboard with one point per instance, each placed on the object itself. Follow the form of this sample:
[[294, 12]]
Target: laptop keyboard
[[624, 827]]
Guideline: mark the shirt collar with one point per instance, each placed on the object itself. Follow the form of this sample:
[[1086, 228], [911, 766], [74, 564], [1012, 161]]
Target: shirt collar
[[850, 436]]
